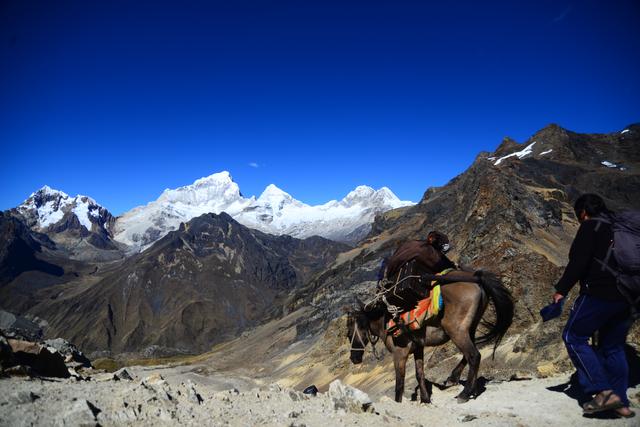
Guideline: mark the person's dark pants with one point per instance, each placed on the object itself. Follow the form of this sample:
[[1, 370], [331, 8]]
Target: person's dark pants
[[604, 367]]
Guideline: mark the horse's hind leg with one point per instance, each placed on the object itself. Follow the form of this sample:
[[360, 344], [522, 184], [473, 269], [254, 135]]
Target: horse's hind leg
[[454, 376], [463, 341], [418, 355]]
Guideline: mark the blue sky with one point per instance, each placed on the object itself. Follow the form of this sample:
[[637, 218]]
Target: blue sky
[[120, 100]]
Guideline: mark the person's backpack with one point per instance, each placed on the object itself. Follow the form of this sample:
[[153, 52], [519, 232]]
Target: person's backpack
[[625, 249]]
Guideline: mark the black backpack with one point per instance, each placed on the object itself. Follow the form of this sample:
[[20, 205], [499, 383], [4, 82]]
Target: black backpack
[[625, 249]]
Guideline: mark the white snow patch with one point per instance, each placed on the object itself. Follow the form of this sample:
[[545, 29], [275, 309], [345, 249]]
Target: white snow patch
[[81, 210], [624, 131], [47, 214], [546, 152], [519, 154], [609, 164]]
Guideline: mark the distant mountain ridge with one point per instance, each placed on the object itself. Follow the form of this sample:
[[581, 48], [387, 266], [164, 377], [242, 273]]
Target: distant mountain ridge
[[274, 211], [198, 285], [88, 231]]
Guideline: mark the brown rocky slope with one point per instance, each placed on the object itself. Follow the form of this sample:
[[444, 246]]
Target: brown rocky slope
[[198, 285], [514, 218]]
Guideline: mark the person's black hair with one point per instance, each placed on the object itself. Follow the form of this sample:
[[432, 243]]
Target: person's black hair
[[592, 204]]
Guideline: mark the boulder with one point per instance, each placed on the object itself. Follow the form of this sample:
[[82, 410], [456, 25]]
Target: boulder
[[348, 398], [45, 361], [122, 375], [80, 413], [69, 351]]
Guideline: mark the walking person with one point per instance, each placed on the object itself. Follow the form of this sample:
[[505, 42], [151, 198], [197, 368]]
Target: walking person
[[603, 369]]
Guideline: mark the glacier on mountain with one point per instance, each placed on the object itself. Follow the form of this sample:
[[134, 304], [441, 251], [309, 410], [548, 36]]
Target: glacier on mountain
[[274, 211]]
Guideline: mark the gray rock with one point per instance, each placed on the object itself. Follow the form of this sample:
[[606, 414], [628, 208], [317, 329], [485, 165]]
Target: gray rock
[[466, 418], [80, 413], [19, 327], [296, 396], [122, 375], [69, 351], [22, 397], [46, 361], [349, 399], [275, 387], [194, 396]]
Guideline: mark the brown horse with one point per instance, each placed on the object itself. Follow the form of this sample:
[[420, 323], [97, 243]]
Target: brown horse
[[464, 305]]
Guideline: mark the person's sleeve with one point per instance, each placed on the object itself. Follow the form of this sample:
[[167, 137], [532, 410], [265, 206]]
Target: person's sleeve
[[580, 255]]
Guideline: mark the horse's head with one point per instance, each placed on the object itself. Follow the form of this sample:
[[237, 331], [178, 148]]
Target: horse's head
[[357, 332]]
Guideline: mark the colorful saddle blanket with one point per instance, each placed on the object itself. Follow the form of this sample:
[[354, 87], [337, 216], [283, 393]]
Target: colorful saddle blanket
[[415, 319]]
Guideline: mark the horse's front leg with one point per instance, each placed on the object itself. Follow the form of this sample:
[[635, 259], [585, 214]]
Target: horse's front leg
[[418, 355], [400, 357]]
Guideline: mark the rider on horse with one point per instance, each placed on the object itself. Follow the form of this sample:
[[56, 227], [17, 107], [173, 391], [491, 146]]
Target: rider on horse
[[406, 293]]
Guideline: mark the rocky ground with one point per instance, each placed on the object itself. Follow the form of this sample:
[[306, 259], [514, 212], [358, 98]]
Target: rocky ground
[[181, 396], [258, 379]]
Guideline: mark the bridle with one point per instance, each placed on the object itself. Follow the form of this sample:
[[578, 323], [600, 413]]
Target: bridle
[[374, 341]]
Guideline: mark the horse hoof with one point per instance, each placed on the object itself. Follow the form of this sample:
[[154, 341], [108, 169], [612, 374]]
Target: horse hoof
[[450, 383], [462, 398], [425, 401]]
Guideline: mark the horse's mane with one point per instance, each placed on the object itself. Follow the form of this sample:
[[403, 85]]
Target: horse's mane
[[372, 311]]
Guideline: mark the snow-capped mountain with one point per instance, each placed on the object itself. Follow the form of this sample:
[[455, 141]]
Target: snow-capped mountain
[[274, 211], [53, 210], [78, 225]]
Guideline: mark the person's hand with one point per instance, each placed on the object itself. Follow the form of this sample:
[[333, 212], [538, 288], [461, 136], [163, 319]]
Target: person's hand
[[557, 297]]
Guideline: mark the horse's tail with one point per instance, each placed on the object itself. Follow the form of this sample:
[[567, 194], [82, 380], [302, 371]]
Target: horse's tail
[[503, 304]]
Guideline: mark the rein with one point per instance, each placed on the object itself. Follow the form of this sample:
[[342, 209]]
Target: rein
[[356, 331]]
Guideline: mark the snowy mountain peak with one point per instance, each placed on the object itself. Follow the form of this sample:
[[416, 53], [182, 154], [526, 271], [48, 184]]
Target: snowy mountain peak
[[217, 187], [274, 194], [48, 206], [361, 191], [48, 191], [366, 195], [274, 211], [220, 178]]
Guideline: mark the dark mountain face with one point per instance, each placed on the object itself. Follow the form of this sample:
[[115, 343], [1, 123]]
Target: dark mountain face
[[18, 249], [514, 218], [196, 286]]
